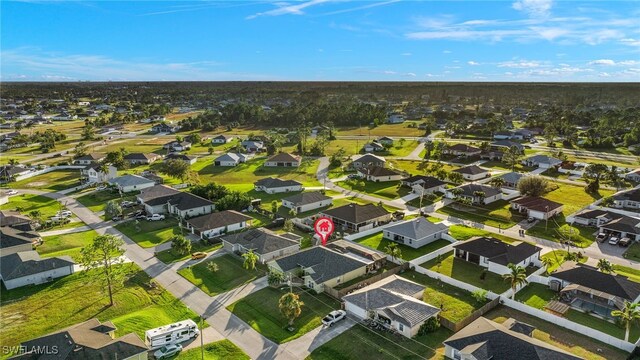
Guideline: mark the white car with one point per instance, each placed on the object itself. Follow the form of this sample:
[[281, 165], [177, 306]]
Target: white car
[[11, 192], [155, 217], [167, 351], [64, 213], [614, 240], [333, 317]]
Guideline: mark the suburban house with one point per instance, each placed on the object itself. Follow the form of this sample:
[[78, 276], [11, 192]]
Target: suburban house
[[164, 128], [385, 140], [523, 134], [395, 302], [161, 199], [307, 201], [373, 146], [629, 199], [221, 139], [355, 217], [14, 219], [177, 145], [507, 144], [502, 135], [190, 159], [511, 179], [593, 217], [264, 243], [622, 226], [139, 158], [633, 175], [379, 174], [89, 159], [253, 146], [319, 267], [229, 159], [589, 290], [476, 193], [472, 172], [422, 184], [87, 340], [128, 183], [541, 161], [93, 174], [537, 207], [275, 185], [27, 268], [495, 254], [283, 160], [415, 233], [10, 172], [462, 150], [492, 155], [376, 259], [395, 119], [486, 339], [368, 160], [14, 240], [217, 223]]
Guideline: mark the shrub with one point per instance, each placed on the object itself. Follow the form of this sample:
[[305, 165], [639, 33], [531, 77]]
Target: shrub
[[429, 326]]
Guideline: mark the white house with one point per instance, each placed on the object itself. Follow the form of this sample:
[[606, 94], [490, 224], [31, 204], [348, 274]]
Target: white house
[[283, 160], [395, 119], [263, 242], [415, 232], [472, 172], [379, 174], [541, 161], [253, 146], [89, 159], [93, 174], [373, 147], [622, 226], [27, 268], [537, 207], [307, 201], [633, 176], [473, 192], [462, 150], [218, 223], [368, 160], [128, 183], [190, 159], [421, 184], [187, 205], [628, 199], [495, 254], [177, 145], [221, 139], [276, 185], [230, 159]]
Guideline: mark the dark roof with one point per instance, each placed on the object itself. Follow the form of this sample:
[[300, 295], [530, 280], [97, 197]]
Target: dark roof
[[508, 144], [624, 223], [463, 148], [261, 241], [596, 213], [217, 220], [306, 198], [471, 170], [326, 264], [11, 218], [489, 340], [369, 158], [537, 203], [470, 189], [543, 159], [10, 237], [512, 177], [376, 171], [185, 201], [141, 156], [271, 183], [633, 195], [157, 195], [27, 263], [91, 156], [428, 182], [497, 251], [590, 277], [356, 213], [284, 157], [180, 157], [223, 137]]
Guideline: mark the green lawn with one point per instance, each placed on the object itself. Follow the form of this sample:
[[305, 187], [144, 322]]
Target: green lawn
[[33, 311], [219, 350], [375, 241], [631, 273], [360, 342], [97, 200], [502, 166], [417, 167], [169, 256], [425, 201], [463, 232], [27, 203], [382, 130], [633, 252], [556, 229], [558, 257], [603, 325], [230, 275], [150, 233], [66, 244], [260, 310], [468, 273], [388, 189], [536, 295], [573, 196], [52, 181], [496, 214]]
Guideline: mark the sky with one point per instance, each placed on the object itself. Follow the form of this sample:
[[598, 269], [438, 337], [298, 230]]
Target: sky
[[320, 40]]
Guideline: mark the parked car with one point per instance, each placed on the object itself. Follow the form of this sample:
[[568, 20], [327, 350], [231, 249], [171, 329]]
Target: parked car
[[625, 241], [352, 176], [64, 213], [614, 240], [11, 192], [531, 220], [116, 218], [141, 216], [333, 317], [167, 351], [127, 204], [601, 237], [56, 218], [198, 255], [101, 187], [155, 217]]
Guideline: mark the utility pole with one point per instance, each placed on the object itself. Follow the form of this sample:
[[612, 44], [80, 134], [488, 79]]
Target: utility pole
[[546, 223], [201, 337]]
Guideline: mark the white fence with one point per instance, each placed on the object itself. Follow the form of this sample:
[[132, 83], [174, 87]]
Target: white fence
[[368, 232], [432, 255], [47, 170], [452, 281]]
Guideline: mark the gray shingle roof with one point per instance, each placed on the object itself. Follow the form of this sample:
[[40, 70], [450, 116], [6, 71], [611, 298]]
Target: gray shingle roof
[[633, 195], [537, 203], [498, 251], [512, 177], [217, 220], [157, 195], [185, 201], [470, 189], [306, 198], [284, 157], [325, 264], [271, 183], [463, 148], [624, 223], [141, 156], [590, 277], [376, 171], [596, 213], [356, 213], [261, 241], [130, 180], [228, 157], [369, 158], [27, 263], [10, 237], [543, 159], [471, 170], [417, 228], [11, 218]]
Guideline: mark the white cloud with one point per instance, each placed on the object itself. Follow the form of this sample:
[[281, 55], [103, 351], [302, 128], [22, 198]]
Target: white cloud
[[284, 8], [534, 8], [630, 41], [523, 64], [609, 62], [602, 62], [473, 63], [406, 54], [446, 51], [410, 74]]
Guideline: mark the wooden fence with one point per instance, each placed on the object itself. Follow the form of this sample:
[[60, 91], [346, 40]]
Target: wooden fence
[[455, 327]]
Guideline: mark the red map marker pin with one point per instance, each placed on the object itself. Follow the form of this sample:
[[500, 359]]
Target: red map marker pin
[[324, 228]]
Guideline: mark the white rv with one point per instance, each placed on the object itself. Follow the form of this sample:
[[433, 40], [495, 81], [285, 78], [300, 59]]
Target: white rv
[[171, 334]]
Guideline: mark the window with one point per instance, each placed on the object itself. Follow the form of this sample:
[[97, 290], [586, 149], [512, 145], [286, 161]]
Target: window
[[456, 354], [400, 327], [485, 260]]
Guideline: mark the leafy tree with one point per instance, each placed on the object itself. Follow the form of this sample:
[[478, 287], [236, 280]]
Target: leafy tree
[[88, 131], [605, 266], [181, 245], [288, 225], [290, 306], [176, 169], [393, 250], [533, 185], [102, 257], [80, 150], [497, 182], [274, 207], [250, 260], [431, 325], [213, 266], [512, 157], [455, 177], [630, 313], [235, 200], [275, 277], [517, 277], [194, 138], [210, 191], [112, 208], [116, 158], [594, 173], [480, 295], [607, 201]]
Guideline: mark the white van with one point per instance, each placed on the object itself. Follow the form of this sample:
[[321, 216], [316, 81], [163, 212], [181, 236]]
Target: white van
[[171, 334]]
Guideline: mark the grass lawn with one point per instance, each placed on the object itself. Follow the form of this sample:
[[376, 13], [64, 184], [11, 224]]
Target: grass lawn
[[558, 230], [463, 232], [467, 272], [573, 196], [97, 200], [360, 342], [631, 273], [496, 214], [567, 340], [150, 233], [425, 201], [168, 256], [558, 257], [603, 325], [53, 181], [27, 203], [536, 295], [260, 310], [33, 311], [502, 166], [388, 189], [375, 241], [381, 130], [416, 167], [219, 350], [230, 275], [66, 244], [633, 252]]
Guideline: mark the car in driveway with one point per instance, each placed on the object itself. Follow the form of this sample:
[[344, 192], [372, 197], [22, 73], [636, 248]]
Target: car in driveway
[[116, 218], [625, 241], [614, 240], [64, 213], [601, 237], [155, 217], [11, 192], [127, 204], [167, 351], [198, 255], [333, 317]]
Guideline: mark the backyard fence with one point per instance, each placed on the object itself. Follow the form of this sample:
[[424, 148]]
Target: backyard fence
[[47, 170], [368, 232], [455, 327], [339, 294], [432, 255]]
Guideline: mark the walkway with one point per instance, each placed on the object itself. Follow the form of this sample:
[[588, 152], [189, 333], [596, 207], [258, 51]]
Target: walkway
[[65, 231]]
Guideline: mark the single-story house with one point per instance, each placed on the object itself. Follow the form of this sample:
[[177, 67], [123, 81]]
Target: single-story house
[[594, 217], [128, 183], [629, 199], [495, 254], [415, 233], [537, 207], [492, 155], [283, 160], [356, 217], [502, 135], [373, 146], [87, 340], [13, 219], [190, 159], [356, 250], [507, 144], [264, 243], [14, 240], [155, 198], [221, 139], [307, 201], [253, 146], [511, 179], [217, 223], [472, 172], [395, 302], [89, 159], [541, 161], [422, 184], [368, 160], [622, 226], [523, 134], [93, 174], [589, 290], [462, 150], [138, 158], [633, 175], [395, 119], [275, 185], [319, 267], [385, 140], [229, 159], [472, 191], [486, 339], [27, 268], [177, 145], [10, 172], [186, 205], [379, 174], [164, 128]]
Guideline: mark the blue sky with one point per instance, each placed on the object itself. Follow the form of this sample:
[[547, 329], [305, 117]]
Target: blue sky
[[518, 40]]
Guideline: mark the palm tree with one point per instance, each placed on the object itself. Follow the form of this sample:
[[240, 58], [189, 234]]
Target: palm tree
[[290, 306], [605, 266], [393, 250], [548, 262], [517, 277], [629, 313], [497, 182], [480, 195], [606, 202], [250, 260]]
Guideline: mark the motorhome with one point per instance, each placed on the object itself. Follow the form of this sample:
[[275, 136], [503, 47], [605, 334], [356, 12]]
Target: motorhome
[[171, 334]]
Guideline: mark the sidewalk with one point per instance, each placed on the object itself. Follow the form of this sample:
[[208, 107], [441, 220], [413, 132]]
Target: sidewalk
[[65, 231]]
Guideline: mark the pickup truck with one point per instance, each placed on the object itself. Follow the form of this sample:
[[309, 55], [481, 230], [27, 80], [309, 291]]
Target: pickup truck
[[155, 217], [333, 317]]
